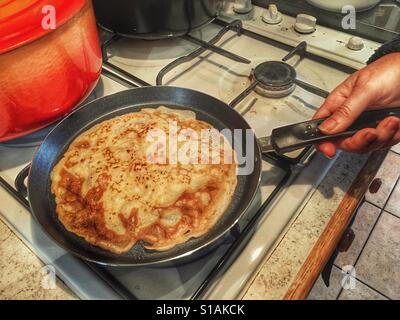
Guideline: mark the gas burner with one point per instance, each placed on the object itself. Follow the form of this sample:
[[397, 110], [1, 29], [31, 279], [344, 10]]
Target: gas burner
[[274, 79]]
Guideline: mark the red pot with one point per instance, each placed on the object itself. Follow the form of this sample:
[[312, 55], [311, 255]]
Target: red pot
[[45, 72]]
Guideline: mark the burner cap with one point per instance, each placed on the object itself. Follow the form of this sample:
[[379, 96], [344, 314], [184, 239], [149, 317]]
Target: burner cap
[[275, 74]]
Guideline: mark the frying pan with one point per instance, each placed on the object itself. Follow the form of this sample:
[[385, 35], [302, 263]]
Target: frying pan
[[208, 109]]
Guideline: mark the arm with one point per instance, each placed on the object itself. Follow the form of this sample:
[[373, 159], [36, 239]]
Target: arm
[[375, 86]]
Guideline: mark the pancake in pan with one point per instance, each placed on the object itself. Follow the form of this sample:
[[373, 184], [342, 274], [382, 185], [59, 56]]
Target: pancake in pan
[[112, 192]]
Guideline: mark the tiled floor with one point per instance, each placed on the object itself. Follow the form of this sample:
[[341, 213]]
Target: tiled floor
[[375, 251]]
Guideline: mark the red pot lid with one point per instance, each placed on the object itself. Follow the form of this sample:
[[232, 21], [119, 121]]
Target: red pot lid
[[21, 21]]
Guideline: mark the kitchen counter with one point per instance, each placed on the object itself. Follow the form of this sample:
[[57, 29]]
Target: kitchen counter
[[22, 272], [280, 268]]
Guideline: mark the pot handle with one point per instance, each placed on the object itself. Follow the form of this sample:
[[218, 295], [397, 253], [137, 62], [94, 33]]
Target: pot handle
[[300, 135]]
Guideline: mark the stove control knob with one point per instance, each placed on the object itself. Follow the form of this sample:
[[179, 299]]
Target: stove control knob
[[242, 6], [272, 15], [305, 23], [355, 43]]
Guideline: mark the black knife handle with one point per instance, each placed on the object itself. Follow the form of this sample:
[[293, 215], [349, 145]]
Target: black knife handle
[[300, 135]]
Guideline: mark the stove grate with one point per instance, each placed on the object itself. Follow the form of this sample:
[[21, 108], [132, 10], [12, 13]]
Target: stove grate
[[204, 46]]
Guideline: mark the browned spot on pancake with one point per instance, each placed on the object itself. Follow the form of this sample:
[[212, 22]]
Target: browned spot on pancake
[[192, 209], [70, 182], [87, 217], [83, 144], [131, 222]]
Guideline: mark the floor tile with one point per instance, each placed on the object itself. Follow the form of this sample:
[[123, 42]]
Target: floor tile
[[393, 204], [362, 227], [379, 262], [387, 177], [396, 148], [361, 292], [321, 292]]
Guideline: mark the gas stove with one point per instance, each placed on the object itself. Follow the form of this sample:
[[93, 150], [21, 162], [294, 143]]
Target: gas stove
[[271, 74]]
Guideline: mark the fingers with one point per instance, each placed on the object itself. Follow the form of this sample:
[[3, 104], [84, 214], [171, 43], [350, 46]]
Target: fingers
[[332, 102], [335, 99], [386, 134], [346, 103], [361, 142], [388, 129], [327, 148], [371, 139], [346, 113]]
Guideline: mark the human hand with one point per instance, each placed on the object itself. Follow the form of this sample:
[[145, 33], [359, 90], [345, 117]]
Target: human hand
[[373, 87]]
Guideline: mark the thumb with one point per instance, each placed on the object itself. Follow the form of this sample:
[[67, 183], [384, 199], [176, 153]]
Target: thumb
[[346, 113]]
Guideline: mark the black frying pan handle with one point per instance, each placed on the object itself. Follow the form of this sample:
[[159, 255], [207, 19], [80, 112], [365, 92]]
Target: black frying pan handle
[[300, 135]]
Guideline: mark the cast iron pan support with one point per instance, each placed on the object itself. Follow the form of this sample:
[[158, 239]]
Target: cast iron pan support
[[234, 25]]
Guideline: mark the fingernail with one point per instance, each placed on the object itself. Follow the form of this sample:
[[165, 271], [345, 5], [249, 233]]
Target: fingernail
[[328, 125]]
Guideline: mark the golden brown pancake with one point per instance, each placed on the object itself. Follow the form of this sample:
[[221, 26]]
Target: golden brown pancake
[[109, 192]]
